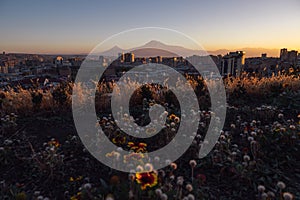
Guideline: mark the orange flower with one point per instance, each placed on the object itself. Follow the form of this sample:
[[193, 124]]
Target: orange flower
[[137, 147], [148, 179], [133, 156], [54, 143], [119, 139], [172, 116]]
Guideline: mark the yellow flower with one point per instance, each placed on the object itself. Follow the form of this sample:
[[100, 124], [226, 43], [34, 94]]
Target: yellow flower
[[148, 179]]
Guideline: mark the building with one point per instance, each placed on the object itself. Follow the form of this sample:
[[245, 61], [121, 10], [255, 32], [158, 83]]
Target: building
[[288, 58], [232, 63], [127, 58]]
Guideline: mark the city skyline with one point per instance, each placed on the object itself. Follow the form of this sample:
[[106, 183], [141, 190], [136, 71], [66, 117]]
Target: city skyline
[[77, 27]]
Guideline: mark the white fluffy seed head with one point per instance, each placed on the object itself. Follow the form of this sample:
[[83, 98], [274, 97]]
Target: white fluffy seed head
[[261, 188], [281, 185], [287, 196], [193, 163]]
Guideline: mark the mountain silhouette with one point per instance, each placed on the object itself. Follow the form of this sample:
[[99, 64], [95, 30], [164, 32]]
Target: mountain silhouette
[[157, 48]]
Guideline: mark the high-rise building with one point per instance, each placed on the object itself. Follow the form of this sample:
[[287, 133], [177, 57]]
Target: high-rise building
[[128, 57], [288, 57], [283, 54], [233, 63]]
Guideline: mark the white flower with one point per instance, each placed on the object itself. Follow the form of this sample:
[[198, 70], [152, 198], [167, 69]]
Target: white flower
[[139, 168], [281, 185], [130, 195], [246, 158], [280, 115], [164, 197], [158, 192], [148, 167], [261, 188], [193, 163], [174, 165], [253, 133], [168, 162], [191, 197], [87, 186], [287, 196], [293, 127], [264, 196], [40, 197], [36, 193], [189, 187], [271, 194], [109, 197]]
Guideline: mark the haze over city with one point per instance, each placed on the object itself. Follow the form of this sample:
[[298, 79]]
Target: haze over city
[[75, 27]]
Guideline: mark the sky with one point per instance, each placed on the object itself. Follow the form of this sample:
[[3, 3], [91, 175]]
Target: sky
[[77, 26]]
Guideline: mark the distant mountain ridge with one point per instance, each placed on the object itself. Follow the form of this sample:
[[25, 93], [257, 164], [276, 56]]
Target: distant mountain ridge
[[151, 49]]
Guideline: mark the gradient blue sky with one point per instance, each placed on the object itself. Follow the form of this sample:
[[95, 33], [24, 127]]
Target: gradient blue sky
[[76, 26]]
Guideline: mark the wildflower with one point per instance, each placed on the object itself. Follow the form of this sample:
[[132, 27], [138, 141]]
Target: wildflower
[[162, 173], [119, 139], [131, 177], [173, 165], [130, 194], [193, 163], [253, 133], [150, 131], [87, 186], [191, 197], [109, 197], [133, 156], [148, 167], [287, 196], [172, 117], [246, 158], [164, 197], [264, 196], [189, 187], [139, 168], [261, 188], [147, 179], [113, 154], [156, 159], [53, 143], [180, 182], [40, 197], [7, 142], [281, 185], [168, 162], [177, 120], [293, 127], [271, 194], [222, 137], [138, 148], [158, 192]]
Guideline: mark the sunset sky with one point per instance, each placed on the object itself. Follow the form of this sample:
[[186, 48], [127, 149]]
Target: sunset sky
[[73, 26]]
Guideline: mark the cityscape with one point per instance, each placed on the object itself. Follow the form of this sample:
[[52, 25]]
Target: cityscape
[[19, 69]]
